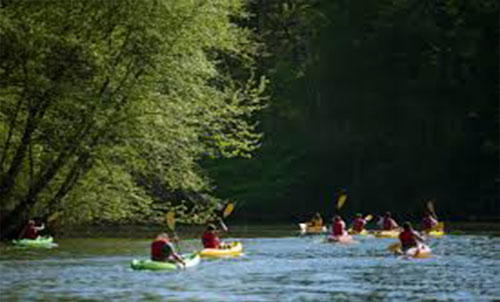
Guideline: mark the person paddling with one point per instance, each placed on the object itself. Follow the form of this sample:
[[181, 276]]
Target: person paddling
[[210, 238], [358, 225], [428, 222], [409, 238], [338, 226], [163, 250], [316, 221], [30, 231], [388, 223]]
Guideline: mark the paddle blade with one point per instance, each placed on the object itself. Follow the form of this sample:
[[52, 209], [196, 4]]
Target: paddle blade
[[340, 202], [53, 217], [368, 217], [430, 207], [228, 210], [394, 247], [170, 220]]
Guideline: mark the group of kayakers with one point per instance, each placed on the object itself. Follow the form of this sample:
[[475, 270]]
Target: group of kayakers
[[408, 237], [163, 250]]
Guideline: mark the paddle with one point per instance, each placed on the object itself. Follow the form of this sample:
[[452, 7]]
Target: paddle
[[395, 247], [170, 220], [228, 209], [430, 207], [53, 217], [341, 200]]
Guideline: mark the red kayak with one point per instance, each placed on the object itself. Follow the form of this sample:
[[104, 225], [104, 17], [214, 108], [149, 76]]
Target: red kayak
[[340, 239]]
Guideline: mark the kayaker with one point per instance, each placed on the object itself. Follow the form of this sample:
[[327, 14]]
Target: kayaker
[[428, 222], [338, 226], [163, 250], [358, 225], [409, 238], [389, 223], [210, 238], [30, 231], [316, 221]]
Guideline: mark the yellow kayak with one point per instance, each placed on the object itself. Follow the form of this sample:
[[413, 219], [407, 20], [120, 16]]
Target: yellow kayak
[[234, 249], [387, 234], [435, 233], [362, 233], [311, 230]]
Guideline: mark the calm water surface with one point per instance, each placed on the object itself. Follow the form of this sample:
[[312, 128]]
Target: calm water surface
[[464, 268]]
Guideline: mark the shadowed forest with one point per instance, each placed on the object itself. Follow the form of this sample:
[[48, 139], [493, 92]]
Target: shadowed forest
[[118, 111], [395, 101]]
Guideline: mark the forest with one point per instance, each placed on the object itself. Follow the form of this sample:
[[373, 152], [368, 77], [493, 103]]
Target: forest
[[118, 111], [394, 101]]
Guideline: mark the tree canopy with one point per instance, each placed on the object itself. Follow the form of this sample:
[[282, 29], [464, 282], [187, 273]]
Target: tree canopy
[[102, 102]]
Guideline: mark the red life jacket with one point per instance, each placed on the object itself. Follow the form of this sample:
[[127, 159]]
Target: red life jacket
[[31, 232], [210, 240], [389, 224], [338, 228], [157, 249], [428, 223], [359, 224], [407, 239]]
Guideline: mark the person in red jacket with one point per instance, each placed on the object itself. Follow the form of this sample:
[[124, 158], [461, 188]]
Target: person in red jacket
[[358, 225], [408, 237], [30, 231], [210, 238], [428, 222], [389, 223], [163, 250], [338, 226]]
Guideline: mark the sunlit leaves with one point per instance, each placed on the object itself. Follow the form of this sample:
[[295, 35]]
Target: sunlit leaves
[[122, 92]]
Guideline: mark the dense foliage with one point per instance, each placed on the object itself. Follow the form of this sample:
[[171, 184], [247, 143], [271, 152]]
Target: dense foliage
[[106, 107], [396, 101]]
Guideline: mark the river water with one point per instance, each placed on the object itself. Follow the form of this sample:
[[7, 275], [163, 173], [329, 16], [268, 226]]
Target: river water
[[289, 268]]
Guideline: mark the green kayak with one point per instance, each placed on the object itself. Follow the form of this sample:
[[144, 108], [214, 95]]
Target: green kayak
[[43, 242], [191, 260]]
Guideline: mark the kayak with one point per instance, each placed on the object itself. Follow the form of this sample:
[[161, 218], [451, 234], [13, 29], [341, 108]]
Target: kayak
[[435, 233], [362, 233], [387, 234], [191, 260], [311, 230], [42, 242], [340, 239], [234, 249], [421, 251]]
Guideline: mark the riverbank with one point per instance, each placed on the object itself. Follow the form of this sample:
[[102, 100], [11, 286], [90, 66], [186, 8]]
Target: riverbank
[[239, 230]]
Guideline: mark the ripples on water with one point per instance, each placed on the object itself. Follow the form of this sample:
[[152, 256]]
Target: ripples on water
[[464, 268]]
